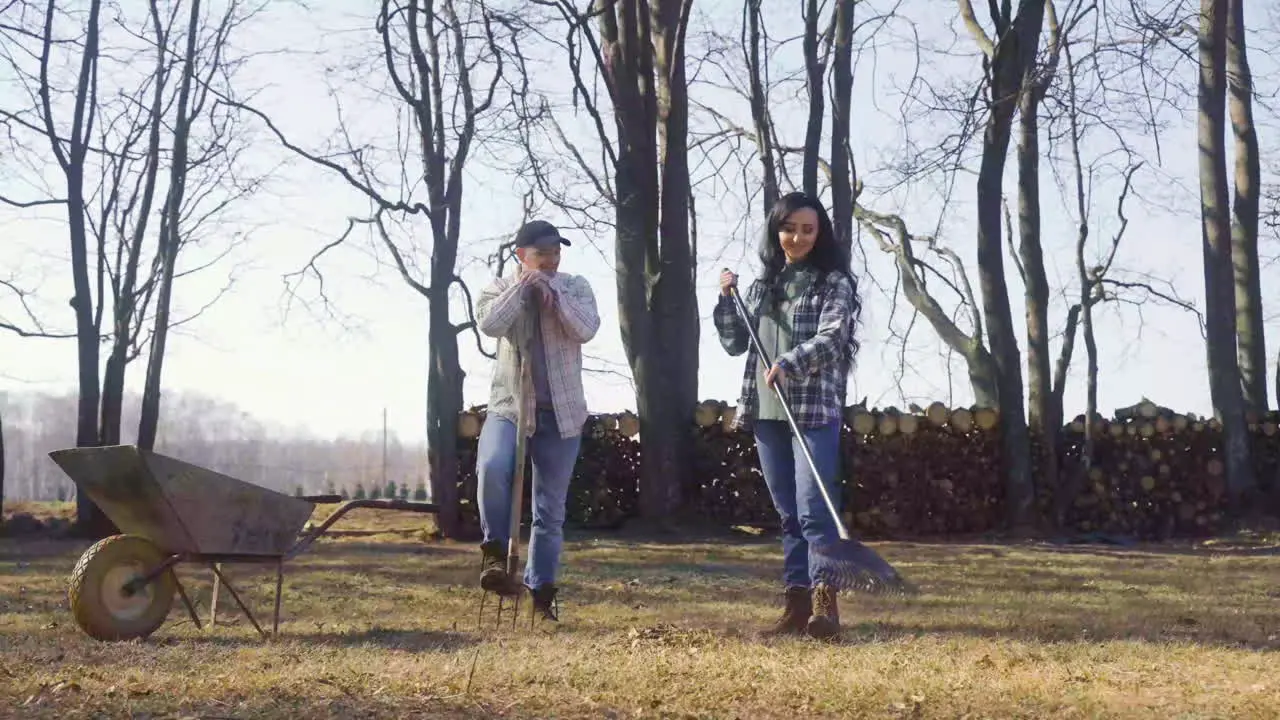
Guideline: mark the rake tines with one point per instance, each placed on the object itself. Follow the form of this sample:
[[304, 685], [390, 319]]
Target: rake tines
[[850, 565]]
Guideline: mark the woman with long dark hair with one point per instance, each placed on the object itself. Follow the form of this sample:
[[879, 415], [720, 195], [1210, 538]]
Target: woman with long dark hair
[[805, 309]]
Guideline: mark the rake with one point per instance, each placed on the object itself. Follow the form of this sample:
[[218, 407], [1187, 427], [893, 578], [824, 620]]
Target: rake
[[845, 563]]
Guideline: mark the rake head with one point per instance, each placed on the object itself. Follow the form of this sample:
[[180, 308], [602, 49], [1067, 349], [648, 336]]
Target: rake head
[[849, 565]]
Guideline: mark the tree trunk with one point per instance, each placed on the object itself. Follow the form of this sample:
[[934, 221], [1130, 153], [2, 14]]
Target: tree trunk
[[113, 393], [983, 378], [444, 397], [814, 72], [1013, 55], [760, 115], [1044, 418], [657, 312], [1250, 333], [1224, 371], [637, 230], [90, 521], [170, 240], [674, 291], [149, 415], [842, 174]]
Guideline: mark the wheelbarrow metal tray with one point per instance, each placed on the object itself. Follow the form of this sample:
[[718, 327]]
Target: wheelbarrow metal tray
[[184, 508]]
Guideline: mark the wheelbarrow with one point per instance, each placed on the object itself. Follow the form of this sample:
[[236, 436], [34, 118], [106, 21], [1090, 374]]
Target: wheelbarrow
[[170, 512]]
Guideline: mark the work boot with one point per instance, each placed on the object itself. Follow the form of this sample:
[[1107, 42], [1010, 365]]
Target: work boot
[[493, 568], [545, 606], [825, 622], [795, 613]]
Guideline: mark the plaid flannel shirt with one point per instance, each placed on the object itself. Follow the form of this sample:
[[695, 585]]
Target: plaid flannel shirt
[[570, 324], [818, 362]]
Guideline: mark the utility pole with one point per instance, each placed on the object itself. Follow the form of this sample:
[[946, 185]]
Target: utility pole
[[384, 447]]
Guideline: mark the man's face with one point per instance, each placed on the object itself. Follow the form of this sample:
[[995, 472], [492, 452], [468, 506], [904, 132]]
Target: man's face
[[544, 257]]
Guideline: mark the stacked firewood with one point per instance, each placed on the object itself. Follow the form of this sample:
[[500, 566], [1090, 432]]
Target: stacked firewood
[[931, 471]]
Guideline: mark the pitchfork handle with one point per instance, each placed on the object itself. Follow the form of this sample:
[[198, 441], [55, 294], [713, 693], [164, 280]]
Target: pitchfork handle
[[767, 362]]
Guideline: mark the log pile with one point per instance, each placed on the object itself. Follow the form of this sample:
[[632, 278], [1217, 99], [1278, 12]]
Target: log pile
[[925, 472]]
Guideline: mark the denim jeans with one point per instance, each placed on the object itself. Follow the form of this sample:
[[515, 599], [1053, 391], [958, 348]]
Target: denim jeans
[[554, 458], [803, 512]]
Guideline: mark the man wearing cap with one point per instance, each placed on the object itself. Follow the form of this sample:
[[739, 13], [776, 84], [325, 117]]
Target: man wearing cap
[[550, 314]]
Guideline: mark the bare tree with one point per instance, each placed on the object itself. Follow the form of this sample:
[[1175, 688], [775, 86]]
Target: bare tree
[[452, 78], [1224, 369], [1006, 63], [1043, 417], [1250, 333], [154, 124], [638, 49], [117, 109], [70, 147], [203, 179]]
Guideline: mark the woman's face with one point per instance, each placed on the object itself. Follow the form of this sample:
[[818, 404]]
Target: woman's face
[[797, 234]]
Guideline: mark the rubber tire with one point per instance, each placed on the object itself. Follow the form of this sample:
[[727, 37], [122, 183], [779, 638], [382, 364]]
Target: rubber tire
[[86, 597]]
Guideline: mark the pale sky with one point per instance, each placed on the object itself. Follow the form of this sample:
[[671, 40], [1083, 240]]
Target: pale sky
[[306, 369]]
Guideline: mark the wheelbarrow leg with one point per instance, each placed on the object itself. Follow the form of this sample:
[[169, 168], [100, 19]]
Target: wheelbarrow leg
[[217, 571], [191, 609], [217, 590], [275, 623]]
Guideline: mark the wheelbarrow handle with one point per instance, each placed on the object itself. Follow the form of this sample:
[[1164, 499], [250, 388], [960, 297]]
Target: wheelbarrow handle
[[322, 499]]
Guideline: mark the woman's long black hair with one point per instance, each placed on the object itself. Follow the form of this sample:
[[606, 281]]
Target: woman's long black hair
[[827, 255]]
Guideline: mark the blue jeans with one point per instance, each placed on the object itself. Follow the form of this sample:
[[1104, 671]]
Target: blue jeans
[[804, 514], [553, 460]]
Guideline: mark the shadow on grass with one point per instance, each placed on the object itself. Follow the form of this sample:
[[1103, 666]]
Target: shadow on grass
[[327, 699], [390, 638], [859, 630], [1070, 629]]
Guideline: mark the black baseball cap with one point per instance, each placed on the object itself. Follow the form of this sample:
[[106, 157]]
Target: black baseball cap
[[538, 232]]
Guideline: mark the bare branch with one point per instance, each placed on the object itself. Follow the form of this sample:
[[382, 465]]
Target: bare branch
[[312, 266], [971, 23], [39, 331]]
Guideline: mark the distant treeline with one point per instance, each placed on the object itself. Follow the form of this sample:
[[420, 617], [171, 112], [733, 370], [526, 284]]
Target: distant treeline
[[211, 433]]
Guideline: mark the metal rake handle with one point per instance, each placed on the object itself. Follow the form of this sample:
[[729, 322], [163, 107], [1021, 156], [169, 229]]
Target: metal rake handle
[[767, 362]]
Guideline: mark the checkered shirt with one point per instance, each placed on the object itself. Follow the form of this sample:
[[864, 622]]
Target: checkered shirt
[[565, 329], [818, 362]]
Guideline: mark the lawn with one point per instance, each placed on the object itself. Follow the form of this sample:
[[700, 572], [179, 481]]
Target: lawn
[[381, 622]]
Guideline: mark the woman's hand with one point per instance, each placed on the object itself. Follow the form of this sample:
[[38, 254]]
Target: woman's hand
[[727, 280], [776, 376]]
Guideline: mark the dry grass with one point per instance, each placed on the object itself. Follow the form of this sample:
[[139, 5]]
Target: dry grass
[[379, 623]]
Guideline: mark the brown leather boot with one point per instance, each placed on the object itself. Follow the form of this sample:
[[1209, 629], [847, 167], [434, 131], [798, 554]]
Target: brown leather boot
[[493, 569], [825, 622], [545, 606], [795, 614]]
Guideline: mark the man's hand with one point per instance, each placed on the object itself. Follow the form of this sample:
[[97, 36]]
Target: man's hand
[[776, 376], [537, 283]]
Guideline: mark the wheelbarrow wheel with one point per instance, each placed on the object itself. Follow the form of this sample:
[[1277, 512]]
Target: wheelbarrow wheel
[[99, 602]]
